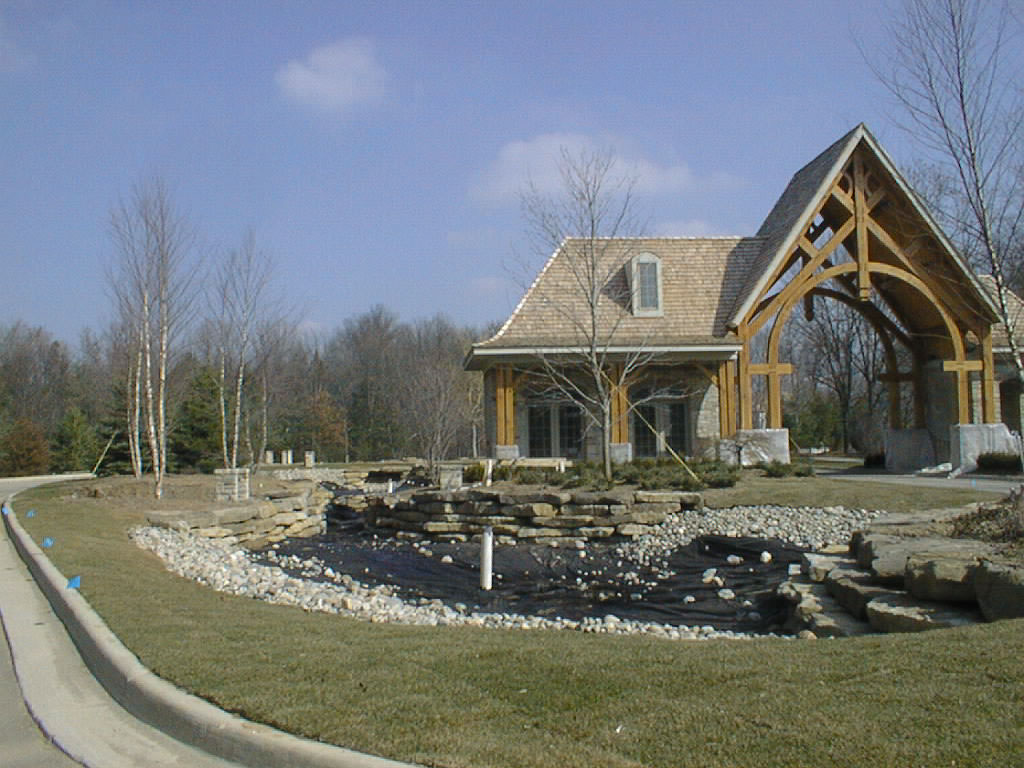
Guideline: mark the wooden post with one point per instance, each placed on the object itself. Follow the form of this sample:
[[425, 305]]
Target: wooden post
[[774, 371], [988, 378], [746, 403], [962, 369], [506, 412], [860, 216], [620, 408]]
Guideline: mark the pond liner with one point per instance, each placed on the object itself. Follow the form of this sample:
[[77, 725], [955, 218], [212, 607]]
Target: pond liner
[[539, 580]]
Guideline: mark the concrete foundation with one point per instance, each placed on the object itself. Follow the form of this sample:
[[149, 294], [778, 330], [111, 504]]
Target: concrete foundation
[[969, 441], [506, 452], [908, 450], [749, 447]]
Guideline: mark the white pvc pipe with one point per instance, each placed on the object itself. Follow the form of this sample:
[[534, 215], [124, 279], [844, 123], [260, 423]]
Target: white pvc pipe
[[486, 558], [488, 473]]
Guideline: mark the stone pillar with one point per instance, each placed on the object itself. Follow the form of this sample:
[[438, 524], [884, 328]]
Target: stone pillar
[[268, 457], [908, 450], [749, 447], [309, 459], [232, 484], [969, 441], [450, 478], [286, 456], [621, 452]]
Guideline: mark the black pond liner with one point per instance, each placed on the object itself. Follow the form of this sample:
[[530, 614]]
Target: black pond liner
[[538, 580]]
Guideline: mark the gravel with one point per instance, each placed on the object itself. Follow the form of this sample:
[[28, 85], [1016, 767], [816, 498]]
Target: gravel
[[227, 568]]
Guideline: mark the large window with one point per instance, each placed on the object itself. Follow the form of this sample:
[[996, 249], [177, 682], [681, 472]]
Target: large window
[[645, 279], [555, 425], [660, 424]]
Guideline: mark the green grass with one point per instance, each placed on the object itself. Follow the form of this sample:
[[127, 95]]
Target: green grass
[[755, 488], [470, 697]]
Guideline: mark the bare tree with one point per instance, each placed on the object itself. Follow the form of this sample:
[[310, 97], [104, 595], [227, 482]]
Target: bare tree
[[586, 223], [960, 103], [153, 281], [240, 305]]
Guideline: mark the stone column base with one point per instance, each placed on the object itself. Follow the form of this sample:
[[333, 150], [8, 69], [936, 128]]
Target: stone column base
[[621, 452], [506, 452], [749, 447], [969, 441]]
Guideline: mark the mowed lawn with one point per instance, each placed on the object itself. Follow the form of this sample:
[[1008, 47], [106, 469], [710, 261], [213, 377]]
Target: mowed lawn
[[470, 697]]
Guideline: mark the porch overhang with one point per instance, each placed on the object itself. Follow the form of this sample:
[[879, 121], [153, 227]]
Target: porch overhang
[[481, 359]]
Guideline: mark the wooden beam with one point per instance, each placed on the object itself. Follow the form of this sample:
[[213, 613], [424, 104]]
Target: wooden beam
[[962, 369], [746, 395], [860, 215], [988, 378], [774, 371]]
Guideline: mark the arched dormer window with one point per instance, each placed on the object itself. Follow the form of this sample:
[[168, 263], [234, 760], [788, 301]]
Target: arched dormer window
[[645, 282]]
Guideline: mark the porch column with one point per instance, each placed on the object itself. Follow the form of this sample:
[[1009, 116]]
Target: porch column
[[505, 400]]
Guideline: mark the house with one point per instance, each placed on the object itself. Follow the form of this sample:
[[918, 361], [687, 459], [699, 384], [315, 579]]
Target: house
[[685, 331]]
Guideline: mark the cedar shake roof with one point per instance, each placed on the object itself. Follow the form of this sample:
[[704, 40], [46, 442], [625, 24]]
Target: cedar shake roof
[[1014, 310], [700, 277], [709, 284]]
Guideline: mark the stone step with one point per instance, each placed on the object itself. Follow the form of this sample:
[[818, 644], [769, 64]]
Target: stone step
[[853, 589], [886, 555], [903, 613]]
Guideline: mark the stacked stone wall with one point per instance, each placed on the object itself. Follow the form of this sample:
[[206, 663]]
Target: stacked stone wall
[[257, 523], [554, 517]]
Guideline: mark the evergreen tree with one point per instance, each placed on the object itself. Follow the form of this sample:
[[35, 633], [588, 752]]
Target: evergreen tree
[[195, 442], [76, 445]]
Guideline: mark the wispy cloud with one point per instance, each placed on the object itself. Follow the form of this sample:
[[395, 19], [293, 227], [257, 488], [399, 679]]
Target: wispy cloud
[[336, 78], [536, 161]]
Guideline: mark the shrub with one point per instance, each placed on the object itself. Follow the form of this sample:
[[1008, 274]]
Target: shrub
[[532, 475], [719, 475], [776, 469], [1004, 463], [803, 469], [473, 473]]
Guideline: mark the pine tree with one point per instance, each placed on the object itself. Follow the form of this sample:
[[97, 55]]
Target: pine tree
[[76, 447]]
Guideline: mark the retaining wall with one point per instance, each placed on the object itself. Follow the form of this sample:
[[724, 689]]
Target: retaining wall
[[257, 523], [553, 517]]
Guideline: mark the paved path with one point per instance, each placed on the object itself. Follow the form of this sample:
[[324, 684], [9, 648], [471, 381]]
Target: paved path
[[73, 708], [991, 484]]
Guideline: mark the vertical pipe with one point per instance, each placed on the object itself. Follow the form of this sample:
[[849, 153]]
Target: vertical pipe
[[486, 558], [488, 473]]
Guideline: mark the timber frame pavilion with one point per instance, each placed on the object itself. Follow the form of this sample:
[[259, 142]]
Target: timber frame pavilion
[[847, 228]]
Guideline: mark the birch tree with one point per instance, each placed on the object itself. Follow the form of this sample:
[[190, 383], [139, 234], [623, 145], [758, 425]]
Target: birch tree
[[153, 280], [593, 207]]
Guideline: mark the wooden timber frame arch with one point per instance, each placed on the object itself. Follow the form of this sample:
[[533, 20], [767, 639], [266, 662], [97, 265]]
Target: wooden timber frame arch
[[868, 236]]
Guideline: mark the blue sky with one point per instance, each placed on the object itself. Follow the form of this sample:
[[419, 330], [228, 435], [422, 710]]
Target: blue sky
[[376, 150]]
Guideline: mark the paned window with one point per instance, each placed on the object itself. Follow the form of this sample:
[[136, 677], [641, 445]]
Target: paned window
[[646, 285]]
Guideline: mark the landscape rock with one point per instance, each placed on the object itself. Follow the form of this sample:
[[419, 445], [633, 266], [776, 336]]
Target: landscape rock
[[903, 613], [943, 577], [999, 588], [854, 589]]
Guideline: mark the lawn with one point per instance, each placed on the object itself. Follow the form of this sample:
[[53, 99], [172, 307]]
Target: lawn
[[469, 697]]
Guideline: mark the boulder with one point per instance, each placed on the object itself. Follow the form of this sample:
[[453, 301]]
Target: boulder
[[886, 555], [999, 588], [944, 577], [903, 613]]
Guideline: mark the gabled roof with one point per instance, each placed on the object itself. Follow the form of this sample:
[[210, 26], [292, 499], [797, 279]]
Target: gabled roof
[[700, 278], [806, 192]]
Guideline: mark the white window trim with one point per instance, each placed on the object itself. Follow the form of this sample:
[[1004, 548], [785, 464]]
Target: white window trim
[[645, 258]]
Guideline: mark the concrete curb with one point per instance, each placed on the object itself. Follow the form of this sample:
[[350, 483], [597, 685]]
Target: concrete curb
[[163, 705]]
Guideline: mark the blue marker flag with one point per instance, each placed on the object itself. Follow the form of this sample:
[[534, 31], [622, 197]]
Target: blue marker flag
[[74, 582], [47, 542], [30, 513], [7, 510]]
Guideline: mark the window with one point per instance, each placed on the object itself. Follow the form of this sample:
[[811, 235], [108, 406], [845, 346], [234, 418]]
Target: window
[[658, 425], [540, 429], [570, 431], [646, 285]]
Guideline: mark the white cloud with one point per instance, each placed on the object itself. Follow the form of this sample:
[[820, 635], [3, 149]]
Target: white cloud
[[336, 78], [536, 161]]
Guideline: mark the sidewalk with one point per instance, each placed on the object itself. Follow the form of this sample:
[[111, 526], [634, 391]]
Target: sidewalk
[[979, 483]]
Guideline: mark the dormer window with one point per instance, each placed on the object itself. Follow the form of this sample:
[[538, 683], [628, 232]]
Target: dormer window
[[645, 279]]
